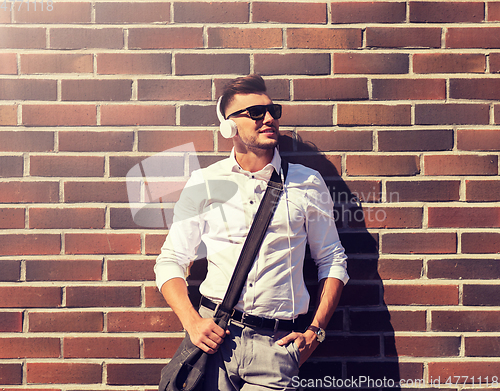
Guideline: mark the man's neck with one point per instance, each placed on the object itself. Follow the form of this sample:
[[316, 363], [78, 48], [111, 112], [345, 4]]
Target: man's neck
[[249, 161]]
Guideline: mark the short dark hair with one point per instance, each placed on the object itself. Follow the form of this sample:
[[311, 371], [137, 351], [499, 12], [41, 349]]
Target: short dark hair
[[251, 84]]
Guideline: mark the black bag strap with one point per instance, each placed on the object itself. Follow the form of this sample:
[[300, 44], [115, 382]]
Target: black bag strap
[[252, 244]]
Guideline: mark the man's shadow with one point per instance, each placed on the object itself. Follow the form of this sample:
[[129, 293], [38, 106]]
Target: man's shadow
[[360, 343]]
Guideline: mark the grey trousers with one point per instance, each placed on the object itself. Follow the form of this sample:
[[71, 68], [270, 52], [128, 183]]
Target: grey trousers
[[250, 359]]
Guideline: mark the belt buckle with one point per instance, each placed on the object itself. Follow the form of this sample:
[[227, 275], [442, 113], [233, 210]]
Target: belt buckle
[[243, 317], [276, 324]]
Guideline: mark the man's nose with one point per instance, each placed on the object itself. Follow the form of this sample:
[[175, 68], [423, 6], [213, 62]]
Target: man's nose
[[268, 118]]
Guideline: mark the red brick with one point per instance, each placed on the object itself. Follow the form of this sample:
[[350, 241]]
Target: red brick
[[493, 11], [324, 38], [339, 140], [138, 115], [30, 297], [292, 64], [370, 63], [95, 192], [478, 140], [11, 218], [423, 346], [331, 89], [143, 321], [249, 38], [153, 243], [161, 347], [467, 371], [154, 299], [134, 374], [103, 347], [59, 115], [74, 270], [64, 218], [22, 38], [30, 244], [395, 320], [418, 140], [386, 217], [88, 141], [450, 12], [11, 166], [194, 115], [165, 38], [86, 38], [449, 63], [28, 192], [11, 271], [421, 294], [8, 64], [485, 295], [484, 89], [277, 89], [409, 89], [142, 12], [120, 166], [11, 374], [382, 165], [131, 270], [353, 346], [11, 322], [67, 166], [87, 90], [157, 141], [373, 114], [103, 296], [482, 347], [201, 12], [5, 15], [480, 269], [326, 165], [473, 37], [41, 322], [134, 63], [61, 13], [384, 369], [494, 62], [158, 217], [56, 63], [174, 89], [211, 64], [497, 114], [8, 115], [480, 243], [460, 165], [400, 37], [368, 12], [63, 373], [482, 190], [307, 115], [102, 243], [395, 269], [419, 243], [26, 141], [442, 217], [449, 114], [26, 89], [30, 348]]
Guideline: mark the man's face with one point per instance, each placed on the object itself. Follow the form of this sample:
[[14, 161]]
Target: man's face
[[253, 134]]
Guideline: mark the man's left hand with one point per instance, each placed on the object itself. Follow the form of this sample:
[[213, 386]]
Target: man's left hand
[[306, 342]]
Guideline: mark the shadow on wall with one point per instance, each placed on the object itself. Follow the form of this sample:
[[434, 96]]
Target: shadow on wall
[[360, 342]]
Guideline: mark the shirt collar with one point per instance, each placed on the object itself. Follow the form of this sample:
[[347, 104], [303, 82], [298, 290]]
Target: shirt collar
[[275, 163]]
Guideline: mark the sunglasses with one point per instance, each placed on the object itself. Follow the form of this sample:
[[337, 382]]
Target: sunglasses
[[258, 112]]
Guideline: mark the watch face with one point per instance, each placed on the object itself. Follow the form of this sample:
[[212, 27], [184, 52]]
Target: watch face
[[321, 335]]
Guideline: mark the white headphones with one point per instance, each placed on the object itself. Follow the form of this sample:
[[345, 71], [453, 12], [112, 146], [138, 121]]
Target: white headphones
[[228, 127]]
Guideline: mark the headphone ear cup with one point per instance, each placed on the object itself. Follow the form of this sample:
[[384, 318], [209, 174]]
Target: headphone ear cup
[[228, 128]]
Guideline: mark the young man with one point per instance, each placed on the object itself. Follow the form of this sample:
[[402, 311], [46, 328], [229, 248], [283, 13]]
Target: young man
[[248, 356]]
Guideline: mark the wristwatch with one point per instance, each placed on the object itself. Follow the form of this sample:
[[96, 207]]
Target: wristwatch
[[320, 333]]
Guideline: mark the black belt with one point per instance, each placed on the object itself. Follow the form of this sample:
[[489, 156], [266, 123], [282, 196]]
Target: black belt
[[258, 322]]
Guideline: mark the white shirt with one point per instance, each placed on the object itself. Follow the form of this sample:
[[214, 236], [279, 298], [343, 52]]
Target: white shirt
[[217, 207]]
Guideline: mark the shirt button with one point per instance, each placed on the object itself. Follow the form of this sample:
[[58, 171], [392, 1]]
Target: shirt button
[[251, 285], [251, 202], [253, 176]]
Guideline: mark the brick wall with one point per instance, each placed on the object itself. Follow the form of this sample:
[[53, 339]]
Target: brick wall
[[400, 97]]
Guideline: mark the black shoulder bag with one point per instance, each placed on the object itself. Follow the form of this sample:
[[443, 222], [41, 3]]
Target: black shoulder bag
[[186, 369]]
